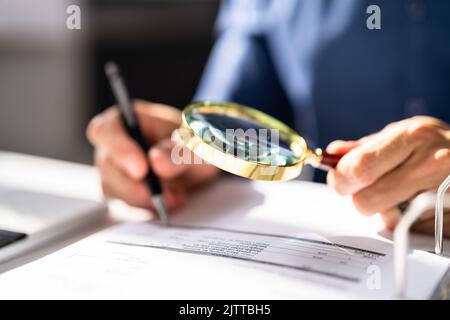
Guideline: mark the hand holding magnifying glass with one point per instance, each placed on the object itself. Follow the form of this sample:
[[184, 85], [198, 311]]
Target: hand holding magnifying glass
[[381, 172]]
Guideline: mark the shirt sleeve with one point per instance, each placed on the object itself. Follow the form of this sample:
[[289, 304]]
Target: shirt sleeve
[[240, 68], [233, 45]]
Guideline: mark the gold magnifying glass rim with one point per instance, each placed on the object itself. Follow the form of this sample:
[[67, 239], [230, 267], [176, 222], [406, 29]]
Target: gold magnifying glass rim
[[233, 164]]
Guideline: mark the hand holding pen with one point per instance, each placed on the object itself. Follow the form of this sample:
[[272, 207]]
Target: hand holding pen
[[131, 123], [123, 164]]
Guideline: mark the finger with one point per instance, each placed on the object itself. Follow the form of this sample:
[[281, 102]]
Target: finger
[[366, 163], [107, 133], [395, 187], [390, 217], [157, 121], [421, 172], [116, 184], [344, 146], [341, 146], [427, 224], [181, 175], [162, 163], [174, 198]]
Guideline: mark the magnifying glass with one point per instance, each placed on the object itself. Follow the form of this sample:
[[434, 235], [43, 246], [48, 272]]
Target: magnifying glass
[[247, 142]]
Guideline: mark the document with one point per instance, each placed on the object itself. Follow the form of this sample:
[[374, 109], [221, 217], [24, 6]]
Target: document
[[252, 249], [308, 253]]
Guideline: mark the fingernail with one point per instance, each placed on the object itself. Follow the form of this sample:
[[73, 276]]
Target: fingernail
[[155, 152], [133, 167], [332, 147], [159, 155]]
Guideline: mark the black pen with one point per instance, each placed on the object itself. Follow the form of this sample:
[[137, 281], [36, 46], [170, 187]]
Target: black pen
[[131, 124]]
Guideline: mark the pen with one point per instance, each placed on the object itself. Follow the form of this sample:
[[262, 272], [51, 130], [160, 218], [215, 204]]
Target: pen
[[132, 126]]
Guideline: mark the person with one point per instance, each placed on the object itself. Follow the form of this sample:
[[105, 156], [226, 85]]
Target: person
[[315, 65]]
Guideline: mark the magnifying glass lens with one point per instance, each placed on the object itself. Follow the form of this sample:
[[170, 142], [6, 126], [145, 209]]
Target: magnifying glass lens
[[244, 137]]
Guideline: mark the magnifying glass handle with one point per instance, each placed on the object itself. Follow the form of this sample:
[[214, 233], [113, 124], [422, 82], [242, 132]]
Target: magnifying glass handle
[[329, 161]]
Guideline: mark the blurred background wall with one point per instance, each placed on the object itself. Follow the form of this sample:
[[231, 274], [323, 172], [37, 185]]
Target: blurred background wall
[[52, 80]]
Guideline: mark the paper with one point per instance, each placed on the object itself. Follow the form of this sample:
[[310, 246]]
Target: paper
[[250, 248], [310, 254]]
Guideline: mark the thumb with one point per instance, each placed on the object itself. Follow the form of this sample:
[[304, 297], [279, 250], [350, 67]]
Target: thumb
[[341, 147], [161, 160]]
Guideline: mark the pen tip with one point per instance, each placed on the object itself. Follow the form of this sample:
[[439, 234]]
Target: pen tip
[[111, 68], [161, 208]]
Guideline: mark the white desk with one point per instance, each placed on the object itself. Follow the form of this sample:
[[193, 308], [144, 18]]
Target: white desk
[[68, 179], [60, 178]]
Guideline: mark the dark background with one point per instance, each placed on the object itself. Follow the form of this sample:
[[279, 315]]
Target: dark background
[[52, 80], [161, 46]]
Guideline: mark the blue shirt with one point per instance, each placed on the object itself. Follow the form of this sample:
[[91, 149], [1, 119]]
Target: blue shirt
[[315, 65]]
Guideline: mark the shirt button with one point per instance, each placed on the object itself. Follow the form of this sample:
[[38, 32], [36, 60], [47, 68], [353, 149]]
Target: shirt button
[[416, 10], [415, 106]]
